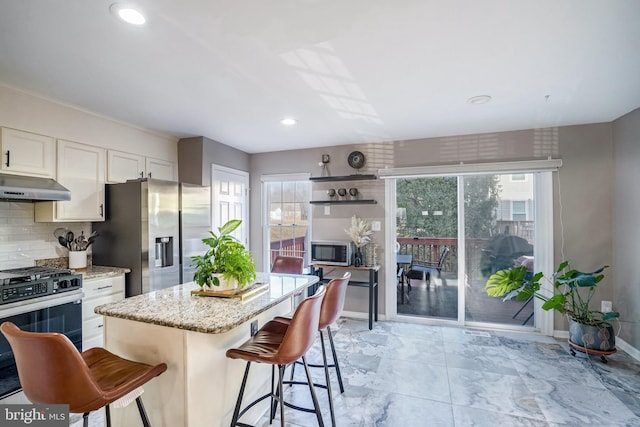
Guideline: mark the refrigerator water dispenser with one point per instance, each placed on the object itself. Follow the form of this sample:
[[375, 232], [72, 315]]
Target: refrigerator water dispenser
[[164, 251]]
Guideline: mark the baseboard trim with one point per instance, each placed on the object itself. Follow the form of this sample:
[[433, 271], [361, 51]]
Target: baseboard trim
[[628, 348], [361, 315], [561, 334]]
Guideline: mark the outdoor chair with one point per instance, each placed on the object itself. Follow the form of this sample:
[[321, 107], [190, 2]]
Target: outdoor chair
[[422, 269]]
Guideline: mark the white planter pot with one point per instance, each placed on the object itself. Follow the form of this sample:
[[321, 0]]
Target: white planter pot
[[225, 285]]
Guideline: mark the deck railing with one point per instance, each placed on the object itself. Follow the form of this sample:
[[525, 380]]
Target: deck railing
[[288, 247], [420, 248], [429, 249]]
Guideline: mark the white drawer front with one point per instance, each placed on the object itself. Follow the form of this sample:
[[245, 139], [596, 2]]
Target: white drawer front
[[98, 287], [92, 328], [89, 304]]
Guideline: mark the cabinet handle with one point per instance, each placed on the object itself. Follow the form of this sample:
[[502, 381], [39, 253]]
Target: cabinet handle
[[149, 174], [104, 287], [100, 326], [8, 158], [141, 174], [102, 210]]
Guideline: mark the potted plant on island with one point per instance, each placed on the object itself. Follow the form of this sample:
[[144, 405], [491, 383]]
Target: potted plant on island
[[227, 264], [589, 331]]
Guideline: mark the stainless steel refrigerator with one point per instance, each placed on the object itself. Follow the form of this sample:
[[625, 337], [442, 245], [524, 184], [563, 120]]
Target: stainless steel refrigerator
[[141, 232], [195, 224]]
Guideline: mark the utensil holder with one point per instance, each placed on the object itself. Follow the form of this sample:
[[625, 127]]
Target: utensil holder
[[77, 259]]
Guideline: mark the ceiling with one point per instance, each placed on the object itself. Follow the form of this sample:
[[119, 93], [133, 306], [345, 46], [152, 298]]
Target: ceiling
[[349, 71]]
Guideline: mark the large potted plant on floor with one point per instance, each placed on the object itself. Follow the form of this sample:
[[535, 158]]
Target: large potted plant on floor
[[227, 265], [589, 329]]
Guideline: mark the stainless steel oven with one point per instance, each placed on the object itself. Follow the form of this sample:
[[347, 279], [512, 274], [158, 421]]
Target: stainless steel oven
[[50, 302]]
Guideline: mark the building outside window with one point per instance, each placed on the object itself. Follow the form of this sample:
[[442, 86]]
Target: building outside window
[[519, 210]]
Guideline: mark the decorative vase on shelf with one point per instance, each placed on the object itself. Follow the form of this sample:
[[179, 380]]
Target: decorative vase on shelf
[[357, 258], [77, 259]]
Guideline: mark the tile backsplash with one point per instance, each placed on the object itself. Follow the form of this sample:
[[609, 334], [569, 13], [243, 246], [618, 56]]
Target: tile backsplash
[[22, 241]]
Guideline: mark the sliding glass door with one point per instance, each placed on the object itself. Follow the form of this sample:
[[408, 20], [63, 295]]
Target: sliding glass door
[[427, 232], [499, 234], [457, 231]]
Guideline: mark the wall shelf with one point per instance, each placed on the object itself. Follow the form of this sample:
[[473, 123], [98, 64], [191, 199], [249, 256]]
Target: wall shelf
[[343, 202], [355, 177]]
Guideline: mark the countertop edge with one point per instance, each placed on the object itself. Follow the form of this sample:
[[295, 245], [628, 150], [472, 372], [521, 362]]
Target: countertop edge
[[230, 312]]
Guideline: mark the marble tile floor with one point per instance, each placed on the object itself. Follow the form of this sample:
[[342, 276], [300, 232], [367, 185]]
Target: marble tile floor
[[403, 374]]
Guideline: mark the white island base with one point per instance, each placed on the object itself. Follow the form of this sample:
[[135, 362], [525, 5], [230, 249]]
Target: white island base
[[201, 385]]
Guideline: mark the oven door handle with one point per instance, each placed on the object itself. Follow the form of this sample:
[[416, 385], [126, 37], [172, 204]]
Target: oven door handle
[[28, 306]]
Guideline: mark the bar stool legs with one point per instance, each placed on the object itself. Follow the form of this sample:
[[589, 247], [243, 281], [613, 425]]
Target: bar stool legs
[[326, 367], [311, 388], [335, 363], [326, 375], [237, 413], [335, 359]]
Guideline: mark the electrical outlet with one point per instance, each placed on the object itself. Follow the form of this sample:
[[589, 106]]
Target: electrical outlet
[[327, 210], [375, 225], [254, 327], [606, 306]]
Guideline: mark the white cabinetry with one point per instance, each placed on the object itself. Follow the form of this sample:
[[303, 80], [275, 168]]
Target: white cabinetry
[[81, 170], [98, 292], [26, 153], [160, 169], [123, 166]]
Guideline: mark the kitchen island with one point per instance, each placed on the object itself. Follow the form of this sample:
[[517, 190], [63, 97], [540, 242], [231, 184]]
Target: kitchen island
[[191, 334]]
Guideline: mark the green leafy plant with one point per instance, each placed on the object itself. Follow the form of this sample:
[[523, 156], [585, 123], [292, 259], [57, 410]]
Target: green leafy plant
[[574, 291], [227, 256]]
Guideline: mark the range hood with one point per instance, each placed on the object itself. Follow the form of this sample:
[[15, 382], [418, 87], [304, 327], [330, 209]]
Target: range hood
[[28, 188]]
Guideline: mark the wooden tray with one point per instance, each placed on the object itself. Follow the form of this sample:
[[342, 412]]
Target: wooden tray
[[243, 293]]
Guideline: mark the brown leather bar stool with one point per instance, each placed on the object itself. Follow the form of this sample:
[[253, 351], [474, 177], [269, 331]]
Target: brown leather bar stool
[[277, 343], [331, 310], [287, 264], [53, 371]]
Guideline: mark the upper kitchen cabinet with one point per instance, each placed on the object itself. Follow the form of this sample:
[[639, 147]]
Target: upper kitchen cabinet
[[123, 166], [80, 169], [26, 153], [161, 169]]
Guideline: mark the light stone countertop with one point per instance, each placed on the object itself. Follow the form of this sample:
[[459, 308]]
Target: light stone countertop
[[175, 307], [100, 272]]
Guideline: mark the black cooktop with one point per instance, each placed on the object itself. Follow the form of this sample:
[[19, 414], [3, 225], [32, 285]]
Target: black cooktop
[[32, 282], [29, 274]]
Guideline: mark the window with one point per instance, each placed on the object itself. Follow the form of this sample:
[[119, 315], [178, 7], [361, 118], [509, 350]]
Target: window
[[287, 222], [518, 210]]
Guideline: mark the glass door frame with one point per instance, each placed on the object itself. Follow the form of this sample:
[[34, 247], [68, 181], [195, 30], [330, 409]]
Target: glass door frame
[[543, 250]]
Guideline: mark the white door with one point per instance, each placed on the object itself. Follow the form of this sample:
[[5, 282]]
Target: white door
[[230, 199]]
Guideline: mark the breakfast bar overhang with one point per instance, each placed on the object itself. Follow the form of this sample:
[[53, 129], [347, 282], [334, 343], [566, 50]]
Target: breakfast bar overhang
[[191, 334]]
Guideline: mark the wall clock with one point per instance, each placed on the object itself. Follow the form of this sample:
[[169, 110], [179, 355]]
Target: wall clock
[[356, 159]]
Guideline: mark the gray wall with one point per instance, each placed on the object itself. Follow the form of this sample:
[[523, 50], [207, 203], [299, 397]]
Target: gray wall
[[197, 154], [626, 233], [584, 184]]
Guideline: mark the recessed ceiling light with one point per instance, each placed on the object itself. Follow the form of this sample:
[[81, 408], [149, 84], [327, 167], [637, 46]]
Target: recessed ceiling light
[[288, 121], [480, 99], [128, 14]]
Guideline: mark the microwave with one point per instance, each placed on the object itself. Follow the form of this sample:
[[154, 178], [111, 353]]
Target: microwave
[[332, 252]]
